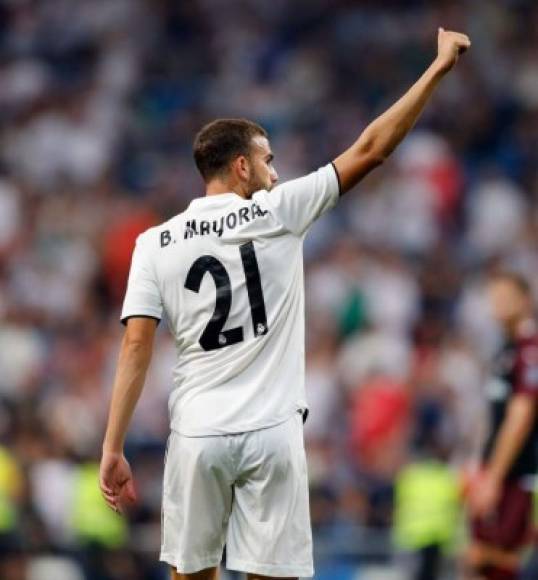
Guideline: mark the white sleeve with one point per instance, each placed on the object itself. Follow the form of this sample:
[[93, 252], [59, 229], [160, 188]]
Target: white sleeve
[[142, 297], [296, 204]]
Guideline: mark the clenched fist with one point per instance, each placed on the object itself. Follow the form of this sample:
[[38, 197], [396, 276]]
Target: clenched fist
[[449, 46]]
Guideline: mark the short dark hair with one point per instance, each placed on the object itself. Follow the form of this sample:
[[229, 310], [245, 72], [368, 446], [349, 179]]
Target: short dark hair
[[515, 278], [221, 141]]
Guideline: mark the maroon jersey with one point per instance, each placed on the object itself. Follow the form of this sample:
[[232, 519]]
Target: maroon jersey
[[515, 371]]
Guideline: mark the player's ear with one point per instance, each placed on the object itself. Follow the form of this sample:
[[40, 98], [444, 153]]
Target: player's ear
[[241, 167]]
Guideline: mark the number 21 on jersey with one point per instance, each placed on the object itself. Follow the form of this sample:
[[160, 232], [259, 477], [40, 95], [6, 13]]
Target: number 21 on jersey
[[214, 336]]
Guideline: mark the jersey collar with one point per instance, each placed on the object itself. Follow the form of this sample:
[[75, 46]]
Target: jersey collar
[[216, 199]]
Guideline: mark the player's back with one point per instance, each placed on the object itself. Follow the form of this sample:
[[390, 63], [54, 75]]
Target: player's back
[[228, 273]]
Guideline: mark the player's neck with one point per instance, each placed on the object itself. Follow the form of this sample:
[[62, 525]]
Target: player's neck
[[521, 327], [220, 186]]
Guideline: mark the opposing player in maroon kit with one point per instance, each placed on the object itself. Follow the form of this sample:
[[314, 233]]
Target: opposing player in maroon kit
[[500, 499]]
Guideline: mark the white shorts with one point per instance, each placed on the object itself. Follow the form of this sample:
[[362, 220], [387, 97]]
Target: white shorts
[[248, 491]]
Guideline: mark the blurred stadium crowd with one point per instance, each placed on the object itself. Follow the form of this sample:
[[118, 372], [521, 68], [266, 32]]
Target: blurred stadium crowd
[[99, 102]]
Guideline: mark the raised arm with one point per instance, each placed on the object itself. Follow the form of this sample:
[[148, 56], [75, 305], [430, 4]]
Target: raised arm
[[135, 355], [383, 135]]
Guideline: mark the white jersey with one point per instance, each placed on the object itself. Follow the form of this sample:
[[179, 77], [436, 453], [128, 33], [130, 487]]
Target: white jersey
[[228, 274]]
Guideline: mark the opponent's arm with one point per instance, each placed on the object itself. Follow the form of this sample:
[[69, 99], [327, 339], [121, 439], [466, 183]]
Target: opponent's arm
[[514, 432], [515, 429], [382, 136], [135, 356]]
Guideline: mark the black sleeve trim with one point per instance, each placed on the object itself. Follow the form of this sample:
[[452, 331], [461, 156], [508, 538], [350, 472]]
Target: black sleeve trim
[[340, 192], [127, 318]]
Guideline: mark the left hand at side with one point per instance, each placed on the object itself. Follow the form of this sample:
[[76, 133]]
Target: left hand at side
[[116, 481]]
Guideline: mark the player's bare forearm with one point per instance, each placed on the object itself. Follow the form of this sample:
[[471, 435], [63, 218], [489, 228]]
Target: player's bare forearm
[[133, 362], [514, 432], [384, 134]]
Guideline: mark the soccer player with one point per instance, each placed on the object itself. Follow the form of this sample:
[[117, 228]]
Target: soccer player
[[228, 274], [500, 499]]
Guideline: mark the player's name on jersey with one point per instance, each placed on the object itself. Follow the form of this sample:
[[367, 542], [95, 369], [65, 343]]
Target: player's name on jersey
[[229, 221]]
